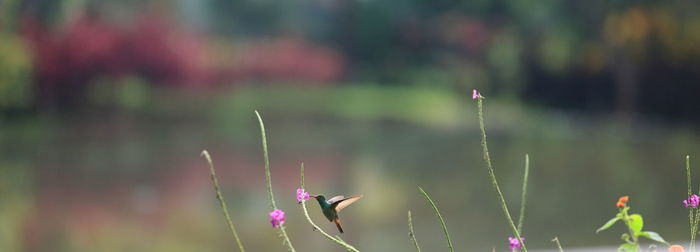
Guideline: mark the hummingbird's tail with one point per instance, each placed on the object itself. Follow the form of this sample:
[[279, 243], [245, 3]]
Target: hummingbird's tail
[[337, 224]]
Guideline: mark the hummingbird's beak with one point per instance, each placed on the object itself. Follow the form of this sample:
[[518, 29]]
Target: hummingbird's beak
[[313, 196]]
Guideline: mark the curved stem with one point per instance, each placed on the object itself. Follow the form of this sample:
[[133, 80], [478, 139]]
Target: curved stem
[[523, 196], [268, 181], [282, 232], [442, 221], [411, 233], [215, 182], [556, 240], [487, 159], [316, 227]]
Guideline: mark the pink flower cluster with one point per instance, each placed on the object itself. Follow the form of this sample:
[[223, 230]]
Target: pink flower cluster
[[693, 201], [302, 195], [277, 218], [514, 244]]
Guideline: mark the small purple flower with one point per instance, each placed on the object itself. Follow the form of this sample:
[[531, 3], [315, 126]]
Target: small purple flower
[[514, 244], [685, 203], [475, 94], [277, 218], [694, 201], [302, 195]]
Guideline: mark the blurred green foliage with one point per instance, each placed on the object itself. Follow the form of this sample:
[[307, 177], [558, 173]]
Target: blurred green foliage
[[395, 112], [16, 90], [16, 203], [554, 52]]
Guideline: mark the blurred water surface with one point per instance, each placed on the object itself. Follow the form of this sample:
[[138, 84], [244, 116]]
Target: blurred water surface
[[134, 179], [106, 105]]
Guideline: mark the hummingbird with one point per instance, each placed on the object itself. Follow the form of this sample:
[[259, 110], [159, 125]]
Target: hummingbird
[[333, 206]]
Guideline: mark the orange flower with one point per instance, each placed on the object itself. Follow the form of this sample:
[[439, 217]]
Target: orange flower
[[622, 201], [676, 248]]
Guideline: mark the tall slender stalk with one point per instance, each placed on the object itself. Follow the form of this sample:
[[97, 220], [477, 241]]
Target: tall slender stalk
[[215, 182], [556, 240], [268, 183], [692, 213], [487, 159], [316, 227], [442, 221], [271, 197], [687, 173], [523, 196], [411, 233]]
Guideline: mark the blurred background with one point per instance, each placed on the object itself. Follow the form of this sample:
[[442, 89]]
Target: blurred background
[[106, 105]]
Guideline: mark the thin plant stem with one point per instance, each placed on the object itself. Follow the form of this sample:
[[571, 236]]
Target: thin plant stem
[[523, 196], [692, 217], [687, 172], [626, 218], [694, 227], [411, 233], [268, 183], [487, 159], [556, 240], [442, 221], [282, 232], [690, 211], [316, 227], [215, 182], [303, 184]]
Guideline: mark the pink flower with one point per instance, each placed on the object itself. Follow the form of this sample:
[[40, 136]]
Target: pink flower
[[514, 244], [277, 218], [302, 195], [694, 201], [475, 94]]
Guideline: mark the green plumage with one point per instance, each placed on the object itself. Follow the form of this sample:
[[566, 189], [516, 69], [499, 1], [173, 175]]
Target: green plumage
[[327, 208], [331, 207]]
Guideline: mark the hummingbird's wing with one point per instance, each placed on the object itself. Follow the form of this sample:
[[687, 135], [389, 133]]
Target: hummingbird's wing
[[335, 199], [343, 203]]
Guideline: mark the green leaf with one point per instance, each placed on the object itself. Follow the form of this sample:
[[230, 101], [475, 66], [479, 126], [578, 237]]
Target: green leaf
[[636, 223], [608, 224], [653, 236], [628, 247]]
